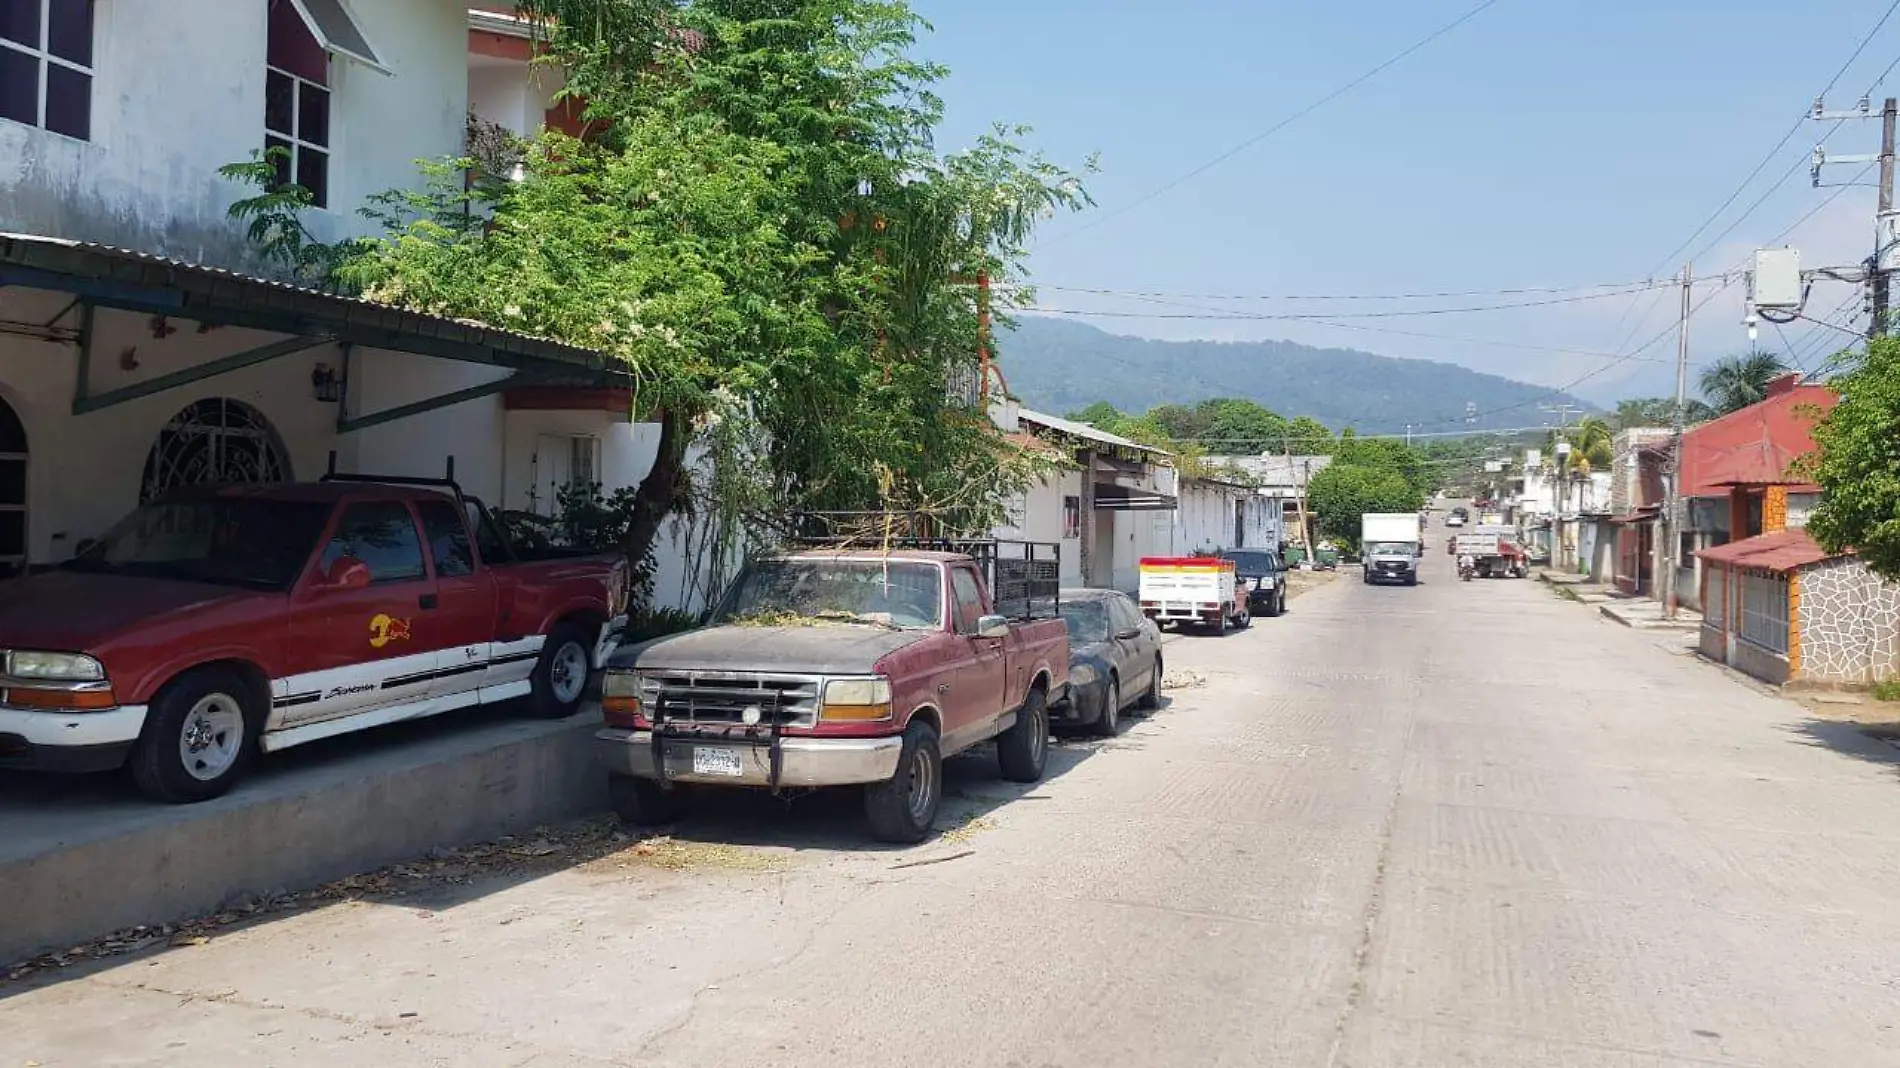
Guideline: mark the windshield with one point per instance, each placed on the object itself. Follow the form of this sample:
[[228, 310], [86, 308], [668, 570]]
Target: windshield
[[1087, 620], [1390, 548], [893, 593], [225, 541], [1249, 564]]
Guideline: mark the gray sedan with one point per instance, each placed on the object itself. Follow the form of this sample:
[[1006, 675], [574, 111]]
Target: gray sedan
[[1114, 660]]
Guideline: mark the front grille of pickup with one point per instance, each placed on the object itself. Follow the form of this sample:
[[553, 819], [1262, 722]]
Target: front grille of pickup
[[789, 701]]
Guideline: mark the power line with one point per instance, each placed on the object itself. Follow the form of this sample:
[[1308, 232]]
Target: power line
[[1518, 291], [1779, 145], [1281, 125], [1304, 316]]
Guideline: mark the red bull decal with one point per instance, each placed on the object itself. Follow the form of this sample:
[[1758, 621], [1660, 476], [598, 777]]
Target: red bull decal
[[384, 629]]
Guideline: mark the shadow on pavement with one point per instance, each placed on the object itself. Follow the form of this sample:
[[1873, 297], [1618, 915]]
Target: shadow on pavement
[[725, 830], [1874, 742]]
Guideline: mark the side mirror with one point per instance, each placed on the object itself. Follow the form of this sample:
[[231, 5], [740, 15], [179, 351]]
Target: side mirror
[[992, 627], [85, 544], [347, 573], [1128, 632]]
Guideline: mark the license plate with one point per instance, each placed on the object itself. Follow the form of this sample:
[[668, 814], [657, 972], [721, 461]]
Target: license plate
[[716, 762]]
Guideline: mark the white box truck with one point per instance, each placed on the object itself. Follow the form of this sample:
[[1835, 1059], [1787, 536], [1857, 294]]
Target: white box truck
[[1391, 546]]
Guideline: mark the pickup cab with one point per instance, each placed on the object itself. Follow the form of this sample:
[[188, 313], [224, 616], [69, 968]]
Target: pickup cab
[[839, 668], [221, 621]]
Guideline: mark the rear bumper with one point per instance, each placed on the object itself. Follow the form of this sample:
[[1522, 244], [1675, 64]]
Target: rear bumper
[[1184, 613], [802, 761], [74, 742]]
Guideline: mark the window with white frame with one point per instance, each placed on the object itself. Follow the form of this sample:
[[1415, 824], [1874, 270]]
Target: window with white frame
[[46, 65], [297, 102]]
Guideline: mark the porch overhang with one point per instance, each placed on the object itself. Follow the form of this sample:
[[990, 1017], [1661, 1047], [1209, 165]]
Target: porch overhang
[[99, 276], [1113, 497]]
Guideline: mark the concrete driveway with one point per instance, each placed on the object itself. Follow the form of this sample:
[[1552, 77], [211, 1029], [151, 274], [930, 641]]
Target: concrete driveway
[[1456, 824]]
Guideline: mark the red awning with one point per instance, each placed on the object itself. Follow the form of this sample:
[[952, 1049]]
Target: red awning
[[1782, 551]]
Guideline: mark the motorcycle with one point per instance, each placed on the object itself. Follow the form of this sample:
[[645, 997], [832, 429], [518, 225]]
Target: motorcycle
[[1465, 571]]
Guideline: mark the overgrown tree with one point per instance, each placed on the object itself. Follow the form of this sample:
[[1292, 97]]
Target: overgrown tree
[[1735, 382], [1857, 462], [1658, 412], [758, 230]]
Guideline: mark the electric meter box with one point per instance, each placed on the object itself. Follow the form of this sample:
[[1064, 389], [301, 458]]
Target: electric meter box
[[1775, 283]]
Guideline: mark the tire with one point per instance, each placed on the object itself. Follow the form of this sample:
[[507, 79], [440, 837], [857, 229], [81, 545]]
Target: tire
[[1151, 700], [1220, 626], [903, 808], [1109, 723], [1023, 750], [643, 802], [560, 676], [1243, 620], [198, 737], [1412, 579], [1277, 605]]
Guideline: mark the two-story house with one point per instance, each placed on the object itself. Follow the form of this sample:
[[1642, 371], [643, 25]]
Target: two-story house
[[144, 344]]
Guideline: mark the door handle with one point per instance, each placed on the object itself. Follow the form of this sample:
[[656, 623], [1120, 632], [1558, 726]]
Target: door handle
[[427, 600]]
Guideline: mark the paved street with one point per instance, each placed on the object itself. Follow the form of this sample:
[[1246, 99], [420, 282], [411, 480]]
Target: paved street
[[1458, 824]]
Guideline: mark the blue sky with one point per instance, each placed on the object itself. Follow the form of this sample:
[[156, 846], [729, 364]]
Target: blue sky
[[1543, 143]]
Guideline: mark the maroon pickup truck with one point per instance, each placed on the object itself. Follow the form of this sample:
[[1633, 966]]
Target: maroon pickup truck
[[221, 621], [842, 668]]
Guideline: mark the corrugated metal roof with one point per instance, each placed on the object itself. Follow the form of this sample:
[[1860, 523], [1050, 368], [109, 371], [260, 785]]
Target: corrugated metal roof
[[1783, 550], [206, 290], [1085, 431]]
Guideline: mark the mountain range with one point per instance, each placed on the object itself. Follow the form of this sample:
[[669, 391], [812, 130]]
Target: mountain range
[[1059, 366]]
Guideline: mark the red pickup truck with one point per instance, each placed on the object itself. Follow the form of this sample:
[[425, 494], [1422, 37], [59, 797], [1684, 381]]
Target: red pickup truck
[[842, 668], [220, 621]]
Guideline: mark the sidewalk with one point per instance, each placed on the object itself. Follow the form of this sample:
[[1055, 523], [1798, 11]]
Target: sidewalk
[[1645, 614], [1579, 586]]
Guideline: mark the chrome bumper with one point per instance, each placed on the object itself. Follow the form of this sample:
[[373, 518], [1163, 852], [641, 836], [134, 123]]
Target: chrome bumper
[[802, 761]]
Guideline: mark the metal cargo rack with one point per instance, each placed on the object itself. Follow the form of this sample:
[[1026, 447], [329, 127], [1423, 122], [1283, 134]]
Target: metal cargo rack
[[1024, 577]]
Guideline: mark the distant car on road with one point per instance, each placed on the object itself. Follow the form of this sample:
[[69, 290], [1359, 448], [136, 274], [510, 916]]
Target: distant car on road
[[1457, 517], [1114, 660]]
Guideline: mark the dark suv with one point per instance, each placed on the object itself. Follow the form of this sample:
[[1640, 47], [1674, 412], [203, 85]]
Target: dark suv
[[1264, 575]]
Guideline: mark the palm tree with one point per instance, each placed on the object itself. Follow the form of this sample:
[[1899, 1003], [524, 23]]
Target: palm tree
[[1592, 443], [1735, 382]]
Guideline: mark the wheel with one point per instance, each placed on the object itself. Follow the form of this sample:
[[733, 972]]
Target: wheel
[[1282, 601], [198, 737], [1152, 698], [560, 676], [1220, 626], [1243, 620], [1109, 723], [1023, 750], [904, 807], [1412, 579], [643, 802], [1276, 605]]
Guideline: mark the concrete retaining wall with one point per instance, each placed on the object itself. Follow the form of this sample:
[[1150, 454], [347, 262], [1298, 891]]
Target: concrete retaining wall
[[68, 877]]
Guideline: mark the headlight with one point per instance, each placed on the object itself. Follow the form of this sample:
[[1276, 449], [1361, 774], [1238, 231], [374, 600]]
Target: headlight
[[1083, 674], [857, 700], [55, 667]]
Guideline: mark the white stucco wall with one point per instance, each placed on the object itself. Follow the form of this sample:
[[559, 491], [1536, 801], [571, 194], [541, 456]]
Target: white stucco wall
[[513, 95], [1037, 516], [84, 471], [179, 91]]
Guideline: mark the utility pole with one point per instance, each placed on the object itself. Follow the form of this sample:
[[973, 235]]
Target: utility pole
[[1883, 219], [1306, 530], [1672, 544]]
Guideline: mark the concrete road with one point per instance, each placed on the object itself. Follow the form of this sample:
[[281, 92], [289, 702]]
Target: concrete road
[[1457, 824]]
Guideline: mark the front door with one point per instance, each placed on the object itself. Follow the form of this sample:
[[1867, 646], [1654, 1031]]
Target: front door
[[1137, 652], [352, 650], [465, 607], [976, 689]]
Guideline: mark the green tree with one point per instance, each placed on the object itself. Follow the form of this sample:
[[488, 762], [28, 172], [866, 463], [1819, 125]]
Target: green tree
[[1308, 436], [1384, 454], [1342, 492], [1658, 412], [1592, 444], [759, 232], [1857, 462], [1735, 382]]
